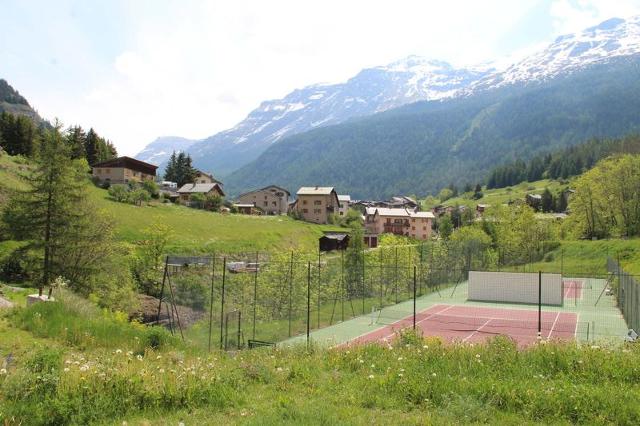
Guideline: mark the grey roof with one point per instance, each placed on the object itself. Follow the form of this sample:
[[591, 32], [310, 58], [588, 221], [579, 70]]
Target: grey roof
[[315, 190], [201, 188], [265, 189], [344, 197], [383, 211]]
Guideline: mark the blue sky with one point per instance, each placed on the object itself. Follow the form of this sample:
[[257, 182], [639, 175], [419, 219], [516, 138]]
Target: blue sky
[[136, 70]]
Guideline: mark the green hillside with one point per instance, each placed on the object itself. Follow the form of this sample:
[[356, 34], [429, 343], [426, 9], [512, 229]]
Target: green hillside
[[498, 196], [421, 148], [193, 231]]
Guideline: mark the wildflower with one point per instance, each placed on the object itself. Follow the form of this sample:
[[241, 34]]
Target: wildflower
[[158, 357], [161, 371], [3, 371], [139, 357], [129, 353], [371, 376], [66, 369], [361, 361], [373, 366], [400, 374], [279, 369], [68, 362], [399, 358], [118, 351], [84, 367], [595, 347], [477, 355], [433, 374], [425, 347], [402, 370]]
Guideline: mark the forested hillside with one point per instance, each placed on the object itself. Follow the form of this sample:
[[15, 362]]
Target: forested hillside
[[561, 164], [13, 102], [425, 146]]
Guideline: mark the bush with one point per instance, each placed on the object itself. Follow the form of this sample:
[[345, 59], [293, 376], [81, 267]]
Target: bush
[[119, 193]]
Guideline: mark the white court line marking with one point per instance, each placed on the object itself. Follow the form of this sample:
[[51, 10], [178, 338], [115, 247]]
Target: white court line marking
[[382, 328], [418, 322], [477, 330], [553, 325]]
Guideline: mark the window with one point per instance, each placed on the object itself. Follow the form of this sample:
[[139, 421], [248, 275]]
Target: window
[[305, 211], [317, 203], [424, 228], [274, 203], [413, 228], [304, 202], [266, 203], [317, 211], [341, 213], [413, 219]]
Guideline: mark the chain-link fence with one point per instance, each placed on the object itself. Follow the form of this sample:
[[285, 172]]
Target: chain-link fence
[[627, 289], [256, 299]]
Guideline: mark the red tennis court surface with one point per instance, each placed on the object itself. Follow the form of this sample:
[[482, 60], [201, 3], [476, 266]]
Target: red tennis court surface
[[473, 324], [572, 289]]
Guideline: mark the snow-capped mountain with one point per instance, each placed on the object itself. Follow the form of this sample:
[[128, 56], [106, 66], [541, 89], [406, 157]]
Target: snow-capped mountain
[[372, 90], [159, 151], [610, 39], [405, 81]]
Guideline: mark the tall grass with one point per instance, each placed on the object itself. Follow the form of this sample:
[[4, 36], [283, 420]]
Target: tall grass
[[413, 379], [76, 322]]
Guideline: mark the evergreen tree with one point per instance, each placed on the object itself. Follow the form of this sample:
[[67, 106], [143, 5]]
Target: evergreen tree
[[53, 215], [91, 147], [170, 172], [547, 202], [76, 139]]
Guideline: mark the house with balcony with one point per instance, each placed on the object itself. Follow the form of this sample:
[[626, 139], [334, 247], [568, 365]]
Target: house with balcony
[[405, 222], [316, 203], [123, 170], [272, 200]]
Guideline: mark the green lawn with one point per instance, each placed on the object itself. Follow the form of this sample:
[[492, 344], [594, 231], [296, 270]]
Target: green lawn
[[198, 231]]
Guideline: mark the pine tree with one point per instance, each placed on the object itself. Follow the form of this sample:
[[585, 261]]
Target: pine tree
[[547, 201], [171, 169], [53, 214], [91, 147], [76, 139]]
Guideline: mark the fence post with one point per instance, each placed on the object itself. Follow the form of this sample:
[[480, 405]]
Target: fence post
[[395, 276], [290, 290], [342, 284], [539, 305], [319, 286], [255, 293], [363, 281], [414, 298], [224, 276], [213, 277], [164, 276], [308, 301]]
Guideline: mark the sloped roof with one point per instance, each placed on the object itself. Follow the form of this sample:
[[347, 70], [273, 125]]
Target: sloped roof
[[384, 211], [344, 197], [315, 190], [266, 188], [129, 163], [199, 188]]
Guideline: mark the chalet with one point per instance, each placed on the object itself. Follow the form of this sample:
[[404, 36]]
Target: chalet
[[380, 220], [402, 202], [480, 209], [534, 200], [123, 170], [334, 241], [246, 208], [202, 177], [206, 189], [316, 203], [344, 203], [272, 199]]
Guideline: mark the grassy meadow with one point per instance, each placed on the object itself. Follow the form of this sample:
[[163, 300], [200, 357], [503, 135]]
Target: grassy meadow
[[143, 376]]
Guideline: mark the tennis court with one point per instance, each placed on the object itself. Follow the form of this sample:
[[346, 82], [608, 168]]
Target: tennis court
[[573, 289], [474, 324]]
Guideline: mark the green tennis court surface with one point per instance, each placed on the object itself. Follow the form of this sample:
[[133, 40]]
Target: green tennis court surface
[[601, 322]]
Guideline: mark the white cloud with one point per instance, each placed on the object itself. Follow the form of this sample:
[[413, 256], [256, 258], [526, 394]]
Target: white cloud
[[196, 67]]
